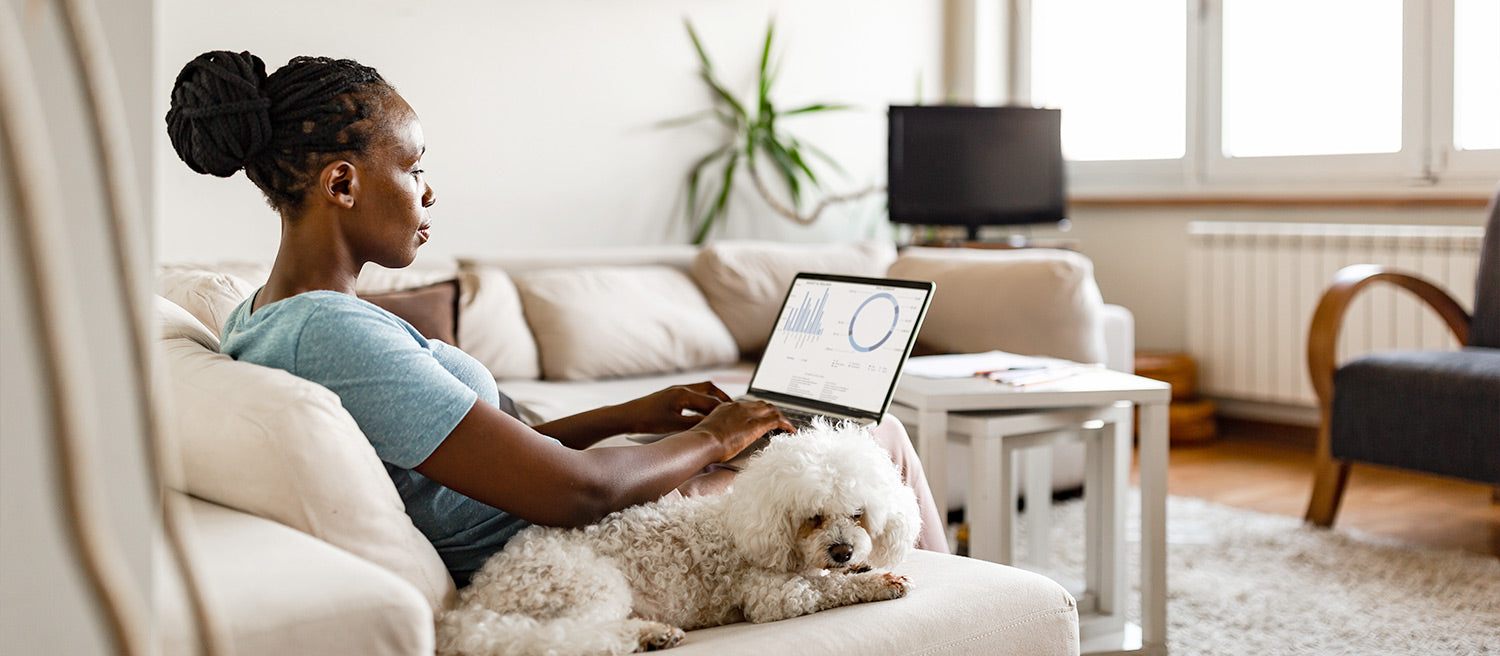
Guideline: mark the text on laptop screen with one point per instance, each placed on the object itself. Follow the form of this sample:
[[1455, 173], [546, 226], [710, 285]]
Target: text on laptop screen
[[840, 342]]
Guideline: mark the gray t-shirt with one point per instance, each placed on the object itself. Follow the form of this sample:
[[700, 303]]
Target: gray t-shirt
[[405, 392]]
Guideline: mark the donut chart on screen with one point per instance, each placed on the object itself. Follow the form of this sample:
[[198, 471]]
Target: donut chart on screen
[[855, 326]]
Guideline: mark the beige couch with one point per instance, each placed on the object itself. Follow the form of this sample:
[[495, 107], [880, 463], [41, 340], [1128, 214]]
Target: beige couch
[[306, 549]]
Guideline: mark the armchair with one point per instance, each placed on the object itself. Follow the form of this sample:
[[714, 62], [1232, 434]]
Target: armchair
[[1432, 411]]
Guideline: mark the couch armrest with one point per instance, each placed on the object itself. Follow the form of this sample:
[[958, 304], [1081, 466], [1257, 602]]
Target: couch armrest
[[281, 592], [1119, 338]]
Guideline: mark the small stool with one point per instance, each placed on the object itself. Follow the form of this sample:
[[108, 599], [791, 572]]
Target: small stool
[[1002, 440]]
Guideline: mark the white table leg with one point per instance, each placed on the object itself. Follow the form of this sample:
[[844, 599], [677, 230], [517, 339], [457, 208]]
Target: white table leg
[[932, 450], [1094, 463], [1115, 440], [991, 505], [1153, 461], [1038, 468]]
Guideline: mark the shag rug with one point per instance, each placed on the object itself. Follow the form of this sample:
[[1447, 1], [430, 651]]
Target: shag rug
[[1242, 582]]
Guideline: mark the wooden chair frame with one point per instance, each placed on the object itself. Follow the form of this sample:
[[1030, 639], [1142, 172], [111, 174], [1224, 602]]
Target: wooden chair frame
[[1330, 474]]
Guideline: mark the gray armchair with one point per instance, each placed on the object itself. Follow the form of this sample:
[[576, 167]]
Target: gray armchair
[[1436, 412]]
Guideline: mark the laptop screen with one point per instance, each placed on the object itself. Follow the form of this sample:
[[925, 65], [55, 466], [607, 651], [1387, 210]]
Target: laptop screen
[[841, 341]]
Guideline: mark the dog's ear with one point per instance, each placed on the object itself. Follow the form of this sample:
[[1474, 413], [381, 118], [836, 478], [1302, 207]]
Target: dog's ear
[[896, 531], [761, 513], [762, 529]]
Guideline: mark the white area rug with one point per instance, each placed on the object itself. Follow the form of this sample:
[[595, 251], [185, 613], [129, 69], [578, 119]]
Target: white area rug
[[1241, 582]]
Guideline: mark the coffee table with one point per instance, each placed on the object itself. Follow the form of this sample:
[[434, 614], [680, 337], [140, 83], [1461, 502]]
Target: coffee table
[[1002, 422]]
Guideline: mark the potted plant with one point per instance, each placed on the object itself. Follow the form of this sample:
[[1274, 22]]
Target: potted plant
[[754, 139]]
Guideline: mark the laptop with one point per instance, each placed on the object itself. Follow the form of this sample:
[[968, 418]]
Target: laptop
[[837, 349]]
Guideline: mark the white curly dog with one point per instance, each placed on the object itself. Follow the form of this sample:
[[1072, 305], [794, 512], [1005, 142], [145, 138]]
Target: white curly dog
[[814, 521]]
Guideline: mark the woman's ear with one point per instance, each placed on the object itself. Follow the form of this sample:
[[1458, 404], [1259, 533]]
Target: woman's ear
[[338, 183]]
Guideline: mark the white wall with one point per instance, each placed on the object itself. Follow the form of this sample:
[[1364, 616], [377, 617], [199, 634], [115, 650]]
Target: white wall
[[539, 115], [45, 605]]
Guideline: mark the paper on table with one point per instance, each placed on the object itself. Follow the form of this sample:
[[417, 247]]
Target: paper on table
[[961, 365]]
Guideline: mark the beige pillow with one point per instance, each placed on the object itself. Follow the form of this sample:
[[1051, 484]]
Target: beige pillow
[[210, 296], [1029, 301], [746, 281], [491, 325], [268, 443], [597, 322]]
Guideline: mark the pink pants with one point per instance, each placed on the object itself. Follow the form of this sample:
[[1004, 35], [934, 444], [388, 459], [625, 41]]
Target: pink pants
[[892, 436]]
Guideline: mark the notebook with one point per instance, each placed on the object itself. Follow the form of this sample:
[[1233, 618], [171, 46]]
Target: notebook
[[837, 349]]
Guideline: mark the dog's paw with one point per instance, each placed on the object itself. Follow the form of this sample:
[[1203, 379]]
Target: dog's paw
[[882, 586], [895, 584], [656, 636]]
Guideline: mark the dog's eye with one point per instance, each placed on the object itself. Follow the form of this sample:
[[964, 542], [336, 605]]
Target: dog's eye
[[857, 514], [815, 520]]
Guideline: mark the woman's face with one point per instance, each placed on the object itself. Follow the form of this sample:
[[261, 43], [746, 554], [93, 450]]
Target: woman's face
[[390, 220]]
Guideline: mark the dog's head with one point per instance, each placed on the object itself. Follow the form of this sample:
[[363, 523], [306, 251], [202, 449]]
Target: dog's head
[[825, 498]]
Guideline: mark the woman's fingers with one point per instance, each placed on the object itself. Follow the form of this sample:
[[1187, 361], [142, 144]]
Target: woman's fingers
[[709, 388]]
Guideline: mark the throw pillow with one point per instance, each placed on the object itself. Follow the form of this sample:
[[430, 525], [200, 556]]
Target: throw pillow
[[268, 443], [746, 281], [432, 310], [493, 330], [1030, 301], [596, 322]]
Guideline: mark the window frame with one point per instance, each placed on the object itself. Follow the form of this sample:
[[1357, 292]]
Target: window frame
[[1427, 158]]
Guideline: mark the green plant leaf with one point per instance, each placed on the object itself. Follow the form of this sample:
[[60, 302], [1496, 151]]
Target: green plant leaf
[[764, 95], [694, 174], [827, 159], [819, 107], [706, 72], [687, 120], [794, 151], [721, 203], [786, 167]]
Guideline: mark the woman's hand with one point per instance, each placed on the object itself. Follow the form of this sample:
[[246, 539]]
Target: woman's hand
[[662, 411], [737, 424]]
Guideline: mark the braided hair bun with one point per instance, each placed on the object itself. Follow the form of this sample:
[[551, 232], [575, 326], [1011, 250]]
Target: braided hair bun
[[220, 118]]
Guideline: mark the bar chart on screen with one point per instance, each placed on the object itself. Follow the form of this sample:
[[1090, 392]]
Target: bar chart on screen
[[805, 323]]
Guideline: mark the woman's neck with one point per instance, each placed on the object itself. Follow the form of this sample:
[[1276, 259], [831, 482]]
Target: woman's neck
[[312, 256]]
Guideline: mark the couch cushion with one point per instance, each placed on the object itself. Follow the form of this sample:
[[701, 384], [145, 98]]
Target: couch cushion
[[282, 592], [268, 443], [746, 281], [1031, 301], [596, 322], [491, 326], [956, 606]]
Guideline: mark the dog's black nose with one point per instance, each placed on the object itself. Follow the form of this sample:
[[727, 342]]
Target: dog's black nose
[[841, 553]]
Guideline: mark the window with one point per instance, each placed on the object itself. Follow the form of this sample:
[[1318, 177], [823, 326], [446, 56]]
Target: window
[[1476, 75], [1130, 105], [1180, 93]]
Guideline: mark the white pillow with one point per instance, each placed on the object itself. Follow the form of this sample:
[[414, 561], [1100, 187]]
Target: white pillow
[[1031, 301], [491, 324], [746, 281], [208, 295], [268, 443], [597, 322]]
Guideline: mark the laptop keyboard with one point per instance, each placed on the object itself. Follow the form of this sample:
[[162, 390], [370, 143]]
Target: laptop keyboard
[[799, 418]]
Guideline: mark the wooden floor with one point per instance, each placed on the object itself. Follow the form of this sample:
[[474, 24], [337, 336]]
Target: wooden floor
[[1268, 468]]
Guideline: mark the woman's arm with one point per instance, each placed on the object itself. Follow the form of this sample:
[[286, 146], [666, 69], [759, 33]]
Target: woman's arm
[[659, 412], [495, 459]]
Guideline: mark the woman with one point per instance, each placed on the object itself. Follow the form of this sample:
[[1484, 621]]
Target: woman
[[337, 153]]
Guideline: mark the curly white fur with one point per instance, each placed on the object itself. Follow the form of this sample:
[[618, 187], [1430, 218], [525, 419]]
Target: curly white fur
[[814, 521]]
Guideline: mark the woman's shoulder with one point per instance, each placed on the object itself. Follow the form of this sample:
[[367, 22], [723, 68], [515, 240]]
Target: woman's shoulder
[[320, 313]]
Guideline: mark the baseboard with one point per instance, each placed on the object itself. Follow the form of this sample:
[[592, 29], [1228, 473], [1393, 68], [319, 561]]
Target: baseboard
[[1275, 413]]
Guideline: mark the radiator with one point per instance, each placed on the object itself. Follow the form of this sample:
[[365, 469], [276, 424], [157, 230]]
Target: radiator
[[1252, 289]]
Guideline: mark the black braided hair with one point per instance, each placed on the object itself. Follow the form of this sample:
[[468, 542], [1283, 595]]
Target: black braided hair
[[227, 114]]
